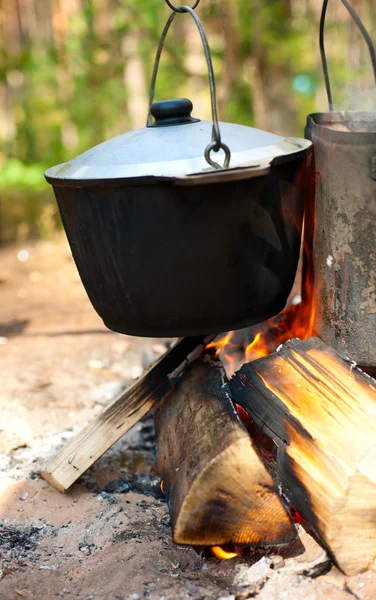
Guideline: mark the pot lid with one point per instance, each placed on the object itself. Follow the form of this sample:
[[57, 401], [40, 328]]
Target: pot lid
[[172, 147]]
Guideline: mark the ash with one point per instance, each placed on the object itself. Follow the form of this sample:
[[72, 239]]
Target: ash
[[109, 537]]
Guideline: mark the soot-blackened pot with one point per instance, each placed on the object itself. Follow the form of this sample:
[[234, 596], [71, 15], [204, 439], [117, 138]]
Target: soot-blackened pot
[[167, 247]]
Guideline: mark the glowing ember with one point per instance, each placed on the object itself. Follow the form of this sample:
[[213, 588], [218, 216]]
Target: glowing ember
[[220, 553]]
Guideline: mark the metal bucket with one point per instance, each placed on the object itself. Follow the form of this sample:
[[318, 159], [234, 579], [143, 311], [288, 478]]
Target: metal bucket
[[343, 231], [344, 239]]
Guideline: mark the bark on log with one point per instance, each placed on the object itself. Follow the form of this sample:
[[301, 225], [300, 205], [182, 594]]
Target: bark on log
[[321, 412], [218, 490], [63, 469]]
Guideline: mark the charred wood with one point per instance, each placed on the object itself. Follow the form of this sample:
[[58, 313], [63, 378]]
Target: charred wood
[[321, 412]]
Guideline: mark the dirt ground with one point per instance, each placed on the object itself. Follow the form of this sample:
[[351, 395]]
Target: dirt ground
[[109, 537]]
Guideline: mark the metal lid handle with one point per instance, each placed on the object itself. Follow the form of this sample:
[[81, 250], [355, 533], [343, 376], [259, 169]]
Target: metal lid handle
[[365, 34], [216, 143]]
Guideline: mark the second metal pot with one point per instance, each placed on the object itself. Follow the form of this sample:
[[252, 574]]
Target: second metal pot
[[344, 243]]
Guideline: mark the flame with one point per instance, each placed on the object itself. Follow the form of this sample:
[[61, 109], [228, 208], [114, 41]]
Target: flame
[[257, 347], [221, 343], [296, 320], [162, 486], [220, 553]]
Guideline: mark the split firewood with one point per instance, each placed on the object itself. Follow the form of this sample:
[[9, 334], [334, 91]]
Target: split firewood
[[218, 489], [321, 412], [80, 453]]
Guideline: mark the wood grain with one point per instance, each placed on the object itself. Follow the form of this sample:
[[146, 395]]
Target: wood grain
[[321, 412], [218, 490]]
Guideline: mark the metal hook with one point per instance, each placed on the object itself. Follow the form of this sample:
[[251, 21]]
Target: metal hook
[[178, 9], [216, 143], [211, 162], [365, 34]]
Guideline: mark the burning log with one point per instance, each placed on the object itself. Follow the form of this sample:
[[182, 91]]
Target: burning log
[[321, 412], [218, 490], [63, 469]]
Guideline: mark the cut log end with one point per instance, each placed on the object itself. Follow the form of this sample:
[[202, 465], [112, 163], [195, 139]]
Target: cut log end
[[218, 490], [58, 485], [233, 501]]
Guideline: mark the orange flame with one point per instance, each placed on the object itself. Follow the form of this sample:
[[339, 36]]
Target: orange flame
[[221, 343], [296, 320], [220, 553], [256, 348]]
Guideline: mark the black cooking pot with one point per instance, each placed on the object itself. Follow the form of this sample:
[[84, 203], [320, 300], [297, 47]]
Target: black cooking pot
[[166, 241], [163, 255]]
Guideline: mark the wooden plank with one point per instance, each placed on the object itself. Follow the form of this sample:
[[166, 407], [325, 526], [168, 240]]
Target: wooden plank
[[218, 489], [80, 453], [321, 412]]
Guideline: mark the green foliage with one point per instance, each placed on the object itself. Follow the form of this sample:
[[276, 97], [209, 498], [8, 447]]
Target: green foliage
[[65, 92], [17, 176], [239, 106]]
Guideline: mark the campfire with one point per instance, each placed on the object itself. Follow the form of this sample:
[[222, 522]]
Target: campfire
[[259, 427], [252, 436]]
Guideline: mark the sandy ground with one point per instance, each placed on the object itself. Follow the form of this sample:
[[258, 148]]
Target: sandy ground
[[109, 537]]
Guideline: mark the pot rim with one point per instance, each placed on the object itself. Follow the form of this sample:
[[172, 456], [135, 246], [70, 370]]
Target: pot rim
[[247, 171], [318, 122]]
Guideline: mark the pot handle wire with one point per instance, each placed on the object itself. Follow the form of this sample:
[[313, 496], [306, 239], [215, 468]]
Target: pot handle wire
[[365, 34], [216, 143]]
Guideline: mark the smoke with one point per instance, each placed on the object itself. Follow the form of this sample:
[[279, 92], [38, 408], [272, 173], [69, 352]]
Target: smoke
[[361, 101]]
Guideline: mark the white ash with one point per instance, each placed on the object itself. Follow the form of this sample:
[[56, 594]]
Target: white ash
[[106, 392], [254, 575], [27, 460]]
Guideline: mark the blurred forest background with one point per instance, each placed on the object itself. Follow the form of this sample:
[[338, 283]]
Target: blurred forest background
[[76, 72]]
